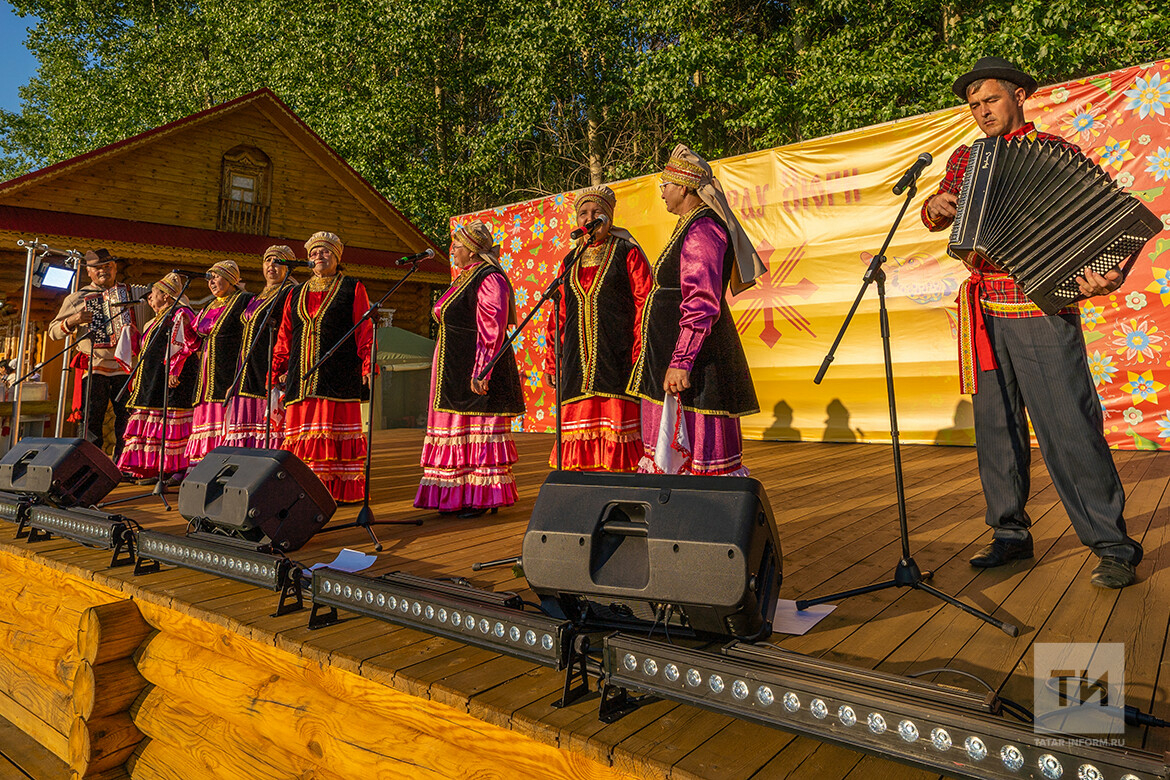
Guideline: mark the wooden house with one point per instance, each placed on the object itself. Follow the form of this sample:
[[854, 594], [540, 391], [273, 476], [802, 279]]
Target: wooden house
[[225, 183]]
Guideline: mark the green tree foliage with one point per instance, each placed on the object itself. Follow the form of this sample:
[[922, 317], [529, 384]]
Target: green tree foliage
[[454, 105]]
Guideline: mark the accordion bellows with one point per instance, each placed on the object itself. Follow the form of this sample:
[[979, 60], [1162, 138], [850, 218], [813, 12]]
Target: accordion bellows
[[1043, 213]]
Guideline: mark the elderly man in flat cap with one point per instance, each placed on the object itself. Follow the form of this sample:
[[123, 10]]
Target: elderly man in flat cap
[[1019, 363], [112, 354]]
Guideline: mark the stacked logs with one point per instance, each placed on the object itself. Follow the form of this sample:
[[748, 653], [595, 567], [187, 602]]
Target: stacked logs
[[66, 673], [105, 684]]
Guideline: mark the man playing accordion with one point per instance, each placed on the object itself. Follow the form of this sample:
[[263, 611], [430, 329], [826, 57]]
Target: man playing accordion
[[112, 351], [1018, 362]]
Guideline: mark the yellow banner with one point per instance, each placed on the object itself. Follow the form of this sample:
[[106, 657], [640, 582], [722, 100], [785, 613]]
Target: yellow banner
[[817, 211]]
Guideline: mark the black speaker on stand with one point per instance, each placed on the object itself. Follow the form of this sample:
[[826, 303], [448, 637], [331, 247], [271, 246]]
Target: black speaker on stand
[[64, 472], [704, 550], [255, 498]]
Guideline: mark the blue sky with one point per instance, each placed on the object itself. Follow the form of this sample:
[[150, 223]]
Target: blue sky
[[16, 62]]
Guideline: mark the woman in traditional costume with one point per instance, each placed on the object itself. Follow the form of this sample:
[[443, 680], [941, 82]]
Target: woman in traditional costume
[[323, 415], [690, 349], [468, 452], [219, 330], [151, 379], [599, 319], [251, 411]]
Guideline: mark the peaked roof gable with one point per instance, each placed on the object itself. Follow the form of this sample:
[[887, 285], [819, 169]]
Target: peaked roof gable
[[288, 123]]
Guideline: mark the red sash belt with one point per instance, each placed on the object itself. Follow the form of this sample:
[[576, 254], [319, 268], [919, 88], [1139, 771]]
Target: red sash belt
[[973, 340]]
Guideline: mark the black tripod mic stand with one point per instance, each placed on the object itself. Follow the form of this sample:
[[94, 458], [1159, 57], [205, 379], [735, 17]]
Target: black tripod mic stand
[[165, 327], [553, 291], [365, 518], [906, 573]]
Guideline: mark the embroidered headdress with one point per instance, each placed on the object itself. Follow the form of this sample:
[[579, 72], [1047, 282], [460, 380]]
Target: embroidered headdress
[[280, 251], [601, 195], [692, 171], [170, 285], [326, 239], [228, 270]]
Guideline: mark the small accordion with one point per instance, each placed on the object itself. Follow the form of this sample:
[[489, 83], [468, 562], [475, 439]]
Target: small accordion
[[108, 320], [1043, 213]]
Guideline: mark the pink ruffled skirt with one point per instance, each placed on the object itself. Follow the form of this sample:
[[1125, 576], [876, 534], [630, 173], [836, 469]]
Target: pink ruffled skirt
[[467, 463], [144, 438], [245, 427], [207, 430]]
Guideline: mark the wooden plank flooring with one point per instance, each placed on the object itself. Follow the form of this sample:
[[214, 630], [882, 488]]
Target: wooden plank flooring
[[837, 514]]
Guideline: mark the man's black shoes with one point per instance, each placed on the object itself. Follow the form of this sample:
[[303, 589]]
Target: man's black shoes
[[1113, 573], [1002, 551]]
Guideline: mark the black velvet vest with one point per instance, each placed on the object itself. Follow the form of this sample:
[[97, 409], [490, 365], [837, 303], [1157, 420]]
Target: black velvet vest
[[720, 381], [222, 348], [253, 383], [456, 357], [340, 377], [599, 328], [150, 379]]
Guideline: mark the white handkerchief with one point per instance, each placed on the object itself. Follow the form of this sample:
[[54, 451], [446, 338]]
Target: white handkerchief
[[672, 452]]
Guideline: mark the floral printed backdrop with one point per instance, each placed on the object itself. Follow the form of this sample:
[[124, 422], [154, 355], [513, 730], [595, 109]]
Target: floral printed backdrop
[[817, 209], [533, 238], [1121, 120]]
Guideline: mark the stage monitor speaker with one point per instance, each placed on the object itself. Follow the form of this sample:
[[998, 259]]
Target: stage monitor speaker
[[708, 546], [258, 497], [65, 472]]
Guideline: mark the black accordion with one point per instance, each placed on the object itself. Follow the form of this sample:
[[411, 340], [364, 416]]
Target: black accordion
[[1043, 213], [108, 317]]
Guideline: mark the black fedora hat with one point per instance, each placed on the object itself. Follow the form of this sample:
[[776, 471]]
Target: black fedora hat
[[994, 68]]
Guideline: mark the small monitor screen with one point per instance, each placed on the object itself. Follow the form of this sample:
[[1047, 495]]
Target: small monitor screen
[[60, 278]]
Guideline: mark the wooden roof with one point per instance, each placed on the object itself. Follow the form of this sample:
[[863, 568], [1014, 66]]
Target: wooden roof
[[154, 198]]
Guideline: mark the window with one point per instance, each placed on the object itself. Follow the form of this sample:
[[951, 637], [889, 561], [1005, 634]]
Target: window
[[245, 192]]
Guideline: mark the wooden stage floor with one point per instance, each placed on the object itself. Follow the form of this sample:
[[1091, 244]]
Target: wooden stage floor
[[836, 510]]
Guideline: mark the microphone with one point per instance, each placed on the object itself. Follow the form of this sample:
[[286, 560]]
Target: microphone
[[589, 226], [913, 172], [294, 263], [424, 255], [133, 302], [189, 275]]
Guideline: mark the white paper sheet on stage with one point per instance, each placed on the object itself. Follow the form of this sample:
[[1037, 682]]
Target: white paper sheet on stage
[[347, 560], [787, 619]]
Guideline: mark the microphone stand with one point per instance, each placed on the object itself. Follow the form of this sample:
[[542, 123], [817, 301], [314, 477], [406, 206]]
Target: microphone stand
[[34, 251], [73, 261], [906, 573], [88, 388], [69, 344], [553, 291], [237, 383], [51, 358], [365, 518], [167, 326]]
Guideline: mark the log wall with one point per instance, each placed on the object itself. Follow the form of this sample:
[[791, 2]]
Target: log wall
[[177, 182], [121, 683], [66, 676]]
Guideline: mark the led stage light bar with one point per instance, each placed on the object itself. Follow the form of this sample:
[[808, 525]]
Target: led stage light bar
[[911, 721], [465, 614], [273, 572], [88, 526]]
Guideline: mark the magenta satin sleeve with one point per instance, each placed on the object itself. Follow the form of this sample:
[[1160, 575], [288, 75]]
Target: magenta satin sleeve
[[701, 272], [491, 318]]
